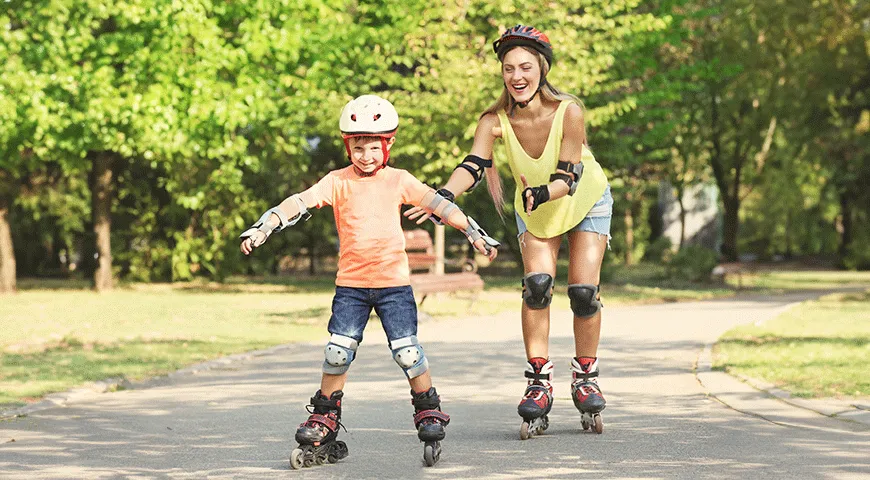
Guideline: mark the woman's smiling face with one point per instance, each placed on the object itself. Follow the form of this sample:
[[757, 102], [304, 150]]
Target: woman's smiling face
[[521, 73]]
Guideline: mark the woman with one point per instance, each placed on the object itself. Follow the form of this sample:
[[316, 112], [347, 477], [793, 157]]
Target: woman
[[545, 142]]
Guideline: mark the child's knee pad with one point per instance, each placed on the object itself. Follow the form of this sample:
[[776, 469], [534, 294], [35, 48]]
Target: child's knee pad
[[408, 353], [338, 354], [584, 299]]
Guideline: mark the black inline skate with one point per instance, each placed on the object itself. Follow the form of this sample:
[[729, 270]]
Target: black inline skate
[[586, 393], [317, 435], [538, 399], [430, 422]]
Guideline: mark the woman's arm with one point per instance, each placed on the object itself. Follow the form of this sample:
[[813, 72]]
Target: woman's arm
[[469, 172]]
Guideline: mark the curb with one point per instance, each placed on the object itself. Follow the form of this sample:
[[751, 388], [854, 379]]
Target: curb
[[62, 399], [763, 400]]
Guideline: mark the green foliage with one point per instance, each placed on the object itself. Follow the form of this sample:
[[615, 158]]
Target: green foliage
[[215, 111], [693, 262], [659, 250]]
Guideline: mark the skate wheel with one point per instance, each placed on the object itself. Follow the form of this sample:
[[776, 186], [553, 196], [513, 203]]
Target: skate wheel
[[319, 459], [599, 424], [340, 450], [545, 424], [430, 456], [296, 458], [525, 434]]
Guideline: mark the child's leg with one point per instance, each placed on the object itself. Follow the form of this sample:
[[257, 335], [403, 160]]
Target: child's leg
[[398, 312], [332, 383], [421, 383]]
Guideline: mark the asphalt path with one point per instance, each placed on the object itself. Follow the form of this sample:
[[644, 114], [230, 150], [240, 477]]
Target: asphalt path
[[236, 419]]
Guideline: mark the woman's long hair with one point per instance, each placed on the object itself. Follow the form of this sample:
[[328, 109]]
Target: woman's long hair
[[505, 103]]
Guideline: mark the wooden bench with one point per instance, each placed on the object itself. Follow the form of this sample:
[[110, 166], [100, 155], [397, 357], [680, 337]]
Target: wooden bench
[[424, 280]]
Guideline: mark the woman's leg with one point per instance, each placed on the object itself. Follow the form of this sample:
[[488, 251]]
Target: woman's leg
[[586, 254], [539, 256]]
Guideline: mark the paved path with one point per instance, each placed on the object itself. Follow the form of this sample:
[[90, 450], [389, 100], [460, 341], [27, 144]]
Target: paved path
[[236, 421]]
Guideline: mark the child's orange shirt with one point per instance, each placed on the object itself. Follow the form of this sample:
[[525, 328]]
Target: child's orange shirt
[[368, 217]]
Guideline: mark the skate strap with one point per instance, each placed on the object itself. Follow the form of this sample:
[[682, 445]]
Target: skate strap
[[436, 414], [329, 423], [537, 376], [584, 376]]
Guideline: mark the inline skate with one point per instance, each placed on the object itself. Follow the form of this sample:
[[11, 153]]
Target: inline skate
[[586, 393], [430, 422], [538, 399], [317, 435]]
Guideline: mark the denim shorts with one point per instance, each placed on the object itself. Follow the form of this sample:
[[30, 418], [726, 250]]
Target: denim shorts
[[395, 306], [596, 221]]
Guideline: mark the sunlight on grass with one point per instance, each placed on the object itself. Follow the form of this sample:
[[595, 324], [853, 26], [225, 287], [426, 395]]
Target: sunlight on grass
[[817, 349]]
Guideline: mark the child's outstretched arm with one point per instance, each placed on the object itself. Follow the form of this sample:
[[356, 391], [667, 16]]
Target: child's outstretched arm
[[435, 204], [277, 218]]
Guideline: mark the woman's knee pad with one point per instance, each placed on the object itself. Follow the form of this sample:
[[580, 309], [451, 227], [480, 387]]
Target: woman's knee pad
[[338, 354], [584, 299], [537, 290], [408, 353]]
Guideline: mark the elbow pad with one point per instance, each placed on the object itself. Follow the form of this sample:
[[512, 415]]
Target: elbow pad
[[476, 171], [571, 178]]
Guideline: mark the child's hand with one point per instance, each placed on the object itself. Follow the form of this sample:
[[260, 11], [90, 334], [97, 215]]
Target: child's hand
[[252, 242], [415, 212], [480, 246]]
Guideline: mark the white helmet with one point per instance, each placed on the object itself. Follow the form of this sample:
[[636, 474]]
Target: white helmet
[[369, 116]]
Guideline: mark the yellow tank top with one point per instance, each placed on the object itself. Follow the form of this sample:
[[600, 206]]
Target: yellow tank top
[[555, 217]]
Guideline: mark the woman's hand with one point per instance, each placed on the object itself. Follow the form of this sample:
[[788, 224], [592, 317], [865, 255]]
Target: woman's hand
[[533, 197]]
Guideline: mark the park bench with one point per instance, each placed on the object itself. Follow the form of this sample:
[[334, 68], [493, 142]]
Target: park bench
[[424, 280]]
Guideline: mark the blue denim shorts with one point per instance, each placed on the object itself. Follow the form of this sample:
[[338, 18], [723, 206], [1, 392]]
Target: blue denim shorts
[[596, 221], [395, 306]]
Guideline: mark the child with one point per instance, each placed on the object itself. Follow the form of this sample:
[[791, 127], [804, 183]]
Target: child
[[373, 272]]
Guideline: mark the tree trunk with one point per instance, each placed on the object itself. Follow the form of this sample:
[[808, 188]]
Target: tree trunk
[[732, 222], [847, 234], [7, 252], [682, 217], [101, 212], [628, 216]]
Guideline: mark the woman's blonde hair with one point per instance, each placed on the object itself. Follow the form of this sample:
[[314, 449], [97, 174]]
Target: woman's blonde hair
[[506, 104]]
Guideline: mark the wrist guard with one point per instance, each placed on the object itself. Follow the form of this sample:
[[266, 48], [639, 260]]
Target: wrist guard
[[540, 194], [475, 233], [447, 195]]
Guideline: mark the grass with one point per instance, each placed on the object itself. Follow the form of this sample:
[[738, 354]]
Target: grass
[[58, 335], [818, 349]]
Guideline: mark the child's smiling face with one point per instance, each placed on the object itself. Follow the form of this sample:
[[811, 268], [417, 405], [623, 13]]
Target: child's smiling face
[[367, 153]]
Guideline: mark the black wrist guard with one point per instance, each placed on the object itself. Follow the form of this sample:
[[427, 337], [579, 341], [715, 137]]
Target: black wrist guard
[[540, 195]]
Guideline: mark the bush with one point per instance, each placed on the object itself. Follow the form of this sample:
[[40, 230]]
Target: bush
[[694, 263], [659, 250]]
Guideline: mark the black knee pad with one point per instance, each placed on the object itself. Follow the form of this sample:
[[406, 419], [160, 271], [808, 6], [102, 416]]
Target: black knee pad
[[538, 290], [584, 299]]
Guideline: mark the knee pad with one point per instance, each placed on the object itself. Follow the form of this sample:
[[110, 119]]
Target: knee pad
[[584, 299], [537, 290], [408, 353], [338, 354]]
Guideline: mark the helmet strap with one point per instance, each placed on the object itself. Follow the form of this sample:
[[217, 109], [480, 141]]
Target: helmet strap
[[525, 104]]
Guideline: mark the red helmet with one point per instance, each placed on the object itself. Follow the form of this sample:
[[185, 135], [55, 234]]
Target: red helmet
[[524, 36]]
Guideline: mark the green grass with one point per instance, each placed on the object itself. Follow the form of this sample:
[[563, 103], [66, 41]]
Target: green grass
[[818, 349], [58, 334], [56, 339]]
